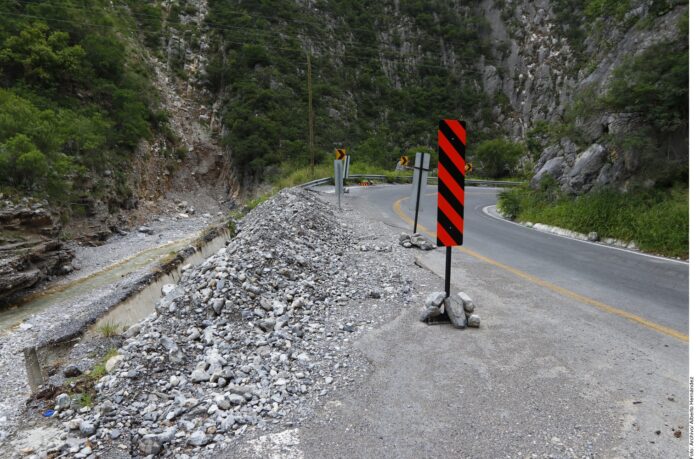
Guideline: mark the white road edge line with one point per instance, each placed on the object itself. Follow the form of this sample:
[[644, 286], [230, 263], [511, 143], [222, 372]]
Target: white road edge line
[[487, 211]]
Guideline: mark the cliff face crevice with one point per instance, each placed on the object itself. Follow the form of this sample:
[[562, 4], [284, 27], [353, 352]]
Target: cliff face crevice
[[532, 67]]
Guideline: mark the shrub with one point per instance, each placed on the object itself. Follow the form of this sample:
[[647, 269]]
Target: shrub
[[658, 221], [109, 329], [498, 157]]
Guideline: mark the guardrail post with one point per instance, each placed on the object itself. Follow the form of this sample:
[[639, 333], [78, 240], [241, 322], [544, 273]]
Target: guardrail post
[[33, 367]]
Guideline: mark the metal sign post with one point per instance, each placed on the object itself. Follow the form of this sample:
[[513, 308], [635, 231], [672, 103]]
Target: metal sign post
[[338, 180], [420, 181], [451, 143], [346, 172]]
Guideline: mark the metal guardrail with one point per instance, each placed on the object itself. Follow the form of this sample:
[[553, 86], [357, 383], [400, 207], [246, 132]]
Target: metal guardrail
[[409, 178], [501, 183]]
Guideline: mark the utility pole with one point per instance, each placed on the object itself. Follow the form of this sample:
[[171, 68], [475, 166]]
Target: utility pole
[[310, 112]]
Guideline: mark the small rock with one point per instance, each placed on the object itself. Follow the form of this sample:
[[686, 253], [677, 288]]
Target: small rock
[[236, 399], [146, 230], [198, 438], [266, 324], [113, 363], [593, 236], [429, 312], [435, 299], [474, 321], [150, 444], [132, 331], [454, 307], [167, 289], [63, 402], [468, 302], [217, 305], [199, 375], [222, 403], [87, 428]]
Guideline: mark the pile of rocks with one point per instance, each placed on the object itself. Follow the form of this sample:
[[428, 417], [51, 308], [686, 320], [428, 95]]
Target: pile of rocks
[[415, 240], [184, 209], [459, 309], [242, 339]]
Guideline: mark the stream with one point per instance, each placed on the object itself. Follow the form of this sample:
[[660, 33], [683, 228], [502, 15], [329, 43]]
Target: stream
[[130, 311]]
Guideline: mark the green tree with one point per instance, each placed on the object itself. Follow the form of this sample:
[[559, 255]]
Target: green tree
[[41, 56], [498, 157], [655, 85]]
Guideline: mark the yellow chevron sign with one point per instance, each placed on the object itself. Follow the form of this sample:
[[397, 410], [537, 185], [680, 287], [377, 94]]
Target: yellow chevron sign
[[403, 161], [340, 153]]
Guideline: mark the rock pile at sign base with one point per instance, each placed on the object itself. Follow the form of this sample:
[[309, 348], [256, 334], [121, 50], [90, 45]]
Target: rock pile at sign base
[[459, 308], [415, 240]]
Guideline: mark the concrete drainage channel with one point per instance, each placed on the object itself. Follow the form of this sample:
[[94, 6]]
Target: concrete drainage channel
[[123, 309]]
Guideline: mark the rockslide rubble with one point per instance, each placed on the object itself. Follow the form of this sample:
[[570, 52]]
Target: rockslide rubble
[[239, 343]]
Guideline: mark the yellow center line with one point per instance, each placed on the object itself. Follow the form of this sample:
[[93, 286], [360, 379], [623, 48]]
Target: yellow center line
[[541, 282]]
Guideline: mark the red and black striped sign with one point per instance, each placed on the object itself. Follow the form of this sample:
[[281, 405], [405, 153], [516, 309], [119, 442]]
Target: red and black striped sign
[[451, 142]]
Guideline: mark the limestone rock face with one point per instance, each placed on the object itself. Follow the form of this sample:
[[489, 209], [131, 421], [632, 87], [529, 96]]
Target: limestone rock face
[[536, 75], [29, 248]]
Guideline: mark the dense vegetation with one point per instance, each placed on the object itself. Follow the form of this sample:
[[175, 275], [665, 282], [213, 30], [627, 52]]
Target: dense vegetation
[[74, 102], [497, 158], [657, 220], [376, 91]]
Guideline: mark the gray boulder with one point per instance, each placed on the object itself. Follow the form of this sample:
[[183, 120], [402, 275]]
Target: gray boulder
[[553, 167], [454, 306], [586, 169]]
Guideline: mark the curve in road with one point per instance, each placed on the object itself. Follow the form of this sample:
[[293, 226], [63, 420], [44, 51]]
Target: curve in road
[[649, 291]]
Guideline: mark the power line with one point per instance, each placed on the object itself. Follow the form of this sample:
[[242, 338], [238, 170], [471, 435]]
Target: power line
[[214, 25], [376, 59], [249, 31]]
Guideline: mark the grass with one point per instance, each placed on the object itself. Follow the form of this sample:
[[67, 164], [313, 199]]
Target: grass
[[657, 220], [81, 388], [110, 329]]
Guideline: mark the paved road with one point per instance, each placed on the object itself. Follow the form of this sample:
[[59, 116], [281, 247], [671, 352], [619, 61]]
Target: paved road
[[574, 358], [655, 289]]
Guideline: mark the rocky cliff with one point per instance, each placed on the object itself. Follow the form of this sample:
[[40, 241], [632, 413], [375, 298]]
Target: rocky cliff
[[30, 250], [552, 73]]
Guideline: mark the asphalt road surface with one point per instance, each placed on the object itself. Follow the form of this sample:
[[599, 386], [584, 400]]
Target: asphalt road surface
[[655, 289], [582, 352]]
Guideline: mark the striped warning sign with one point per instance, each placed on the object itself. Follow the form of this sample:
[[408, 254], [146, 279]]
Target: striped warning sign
[[451, 142]]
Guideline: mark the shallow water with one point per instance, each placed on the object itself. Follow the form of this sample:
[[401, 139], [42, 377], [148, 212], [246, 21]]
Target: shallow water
[[13, 315]]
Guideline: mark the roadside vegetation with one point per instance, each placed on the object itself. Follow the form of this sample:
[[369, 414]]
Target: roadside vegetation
[[657, 220], [652, 87], [75, 100]]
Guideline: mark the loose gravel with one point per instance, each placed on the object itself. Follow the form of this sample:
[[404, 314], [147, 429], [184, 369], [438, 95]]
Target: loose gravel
[[250, 340]]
